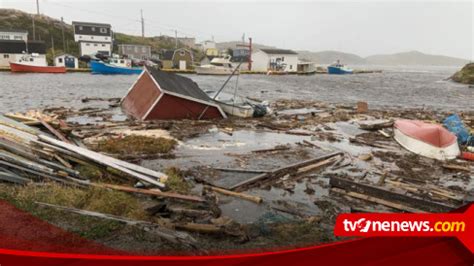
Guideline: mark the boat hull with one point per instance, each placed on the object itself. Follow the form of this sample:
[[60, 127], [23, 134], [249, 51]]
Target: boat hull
[[23, 68], [338, 70], [440, 152], [239, 111], [214, 71], [107, 69]]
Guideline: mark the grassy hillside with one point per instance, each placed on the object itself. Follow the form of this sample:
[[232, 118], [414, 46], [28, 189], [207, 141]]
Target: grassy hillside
[[48, 29]]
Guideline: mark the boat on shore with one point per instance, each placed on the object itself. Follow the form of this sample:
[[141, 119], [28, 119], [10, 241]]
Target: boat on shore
[[33, 64], [339, 69], [100, 67], [217, 66], [239, 106], [429, 140]]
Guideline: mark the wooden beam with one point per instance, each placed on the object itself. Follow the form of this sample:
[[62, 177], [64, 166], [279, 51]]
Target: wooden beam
[[390, 204], [248, 197], [151, 192], [382, 193], [54, 131], [284, 169], [167, 234], [136, 171]]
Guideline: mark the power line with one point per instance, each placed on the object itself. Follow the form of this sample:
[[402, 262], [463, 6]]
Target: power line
[[181, 30]]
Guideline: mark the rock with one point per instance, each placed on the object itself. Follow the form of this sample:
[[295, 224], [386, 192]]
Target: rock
[[465, 75]]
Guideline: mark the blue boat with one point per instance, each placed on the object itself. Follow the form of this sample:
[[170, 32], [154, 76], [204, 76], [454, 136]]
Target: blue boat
[[99, 67], [339, 69]]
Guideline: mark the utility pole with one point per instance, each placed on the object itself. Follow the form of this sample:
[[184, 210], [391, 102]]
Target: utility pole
[[176, 38], [62, 29], [143, 24], [37, 7], [52, 46], [34, 28]]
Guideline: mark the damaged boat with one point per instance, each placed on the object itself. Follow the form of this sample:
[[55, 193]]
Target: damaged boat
[[429, 140], [239, 106]]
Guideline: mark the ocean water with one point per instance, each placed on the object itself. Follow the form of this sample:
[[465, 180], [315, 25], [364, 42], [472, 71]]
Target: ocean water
[[395, 87]]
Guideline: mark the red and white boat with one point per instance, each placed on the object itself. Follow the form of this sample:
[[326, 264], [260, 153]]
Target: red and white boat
[[35, 64], [429, 140]]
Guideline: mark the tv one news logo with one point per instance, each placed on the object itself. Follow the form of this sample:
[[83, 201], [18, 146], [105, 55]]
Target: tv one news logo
[[364, 225]]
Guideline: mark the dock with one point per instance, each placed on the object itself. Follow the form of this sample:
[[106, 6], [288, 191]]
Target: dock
[[243, 72]]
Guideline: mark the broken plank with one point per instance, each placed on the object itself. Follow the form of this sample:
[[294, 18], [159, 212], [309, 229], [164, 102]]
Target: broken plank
[[58, 134], [13, 178], [456, 167], [200, 228], [240, 170], [152, 192], [284, 148], [248, 197], [167, 234], [382, 193], [281, 170], [316, 166], [387, 203]]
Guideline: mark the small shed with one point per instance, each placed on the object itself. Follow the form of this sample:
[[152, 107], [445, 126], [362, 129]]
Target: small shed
[[159, 95], [183, 59], [66, 60]]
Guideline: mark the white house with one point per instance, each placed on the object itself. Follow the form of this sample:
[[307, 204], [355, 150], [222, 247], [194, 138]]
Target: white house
[[16, 35], [66, 60], [274, 60], [13, 50], [93, 38], [207, 45]]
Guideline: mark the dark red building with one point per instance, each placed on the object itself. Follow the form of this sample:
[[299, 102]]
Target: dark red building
[[160, 95]]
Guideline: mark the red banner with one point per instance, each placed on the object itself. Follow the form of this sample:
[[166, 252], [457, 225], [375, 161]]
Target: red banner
[[460, 225]]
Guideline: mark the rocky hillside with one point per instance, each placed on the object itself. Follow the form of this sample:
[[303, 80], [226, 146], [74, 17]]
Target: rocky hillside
[[465, 75]]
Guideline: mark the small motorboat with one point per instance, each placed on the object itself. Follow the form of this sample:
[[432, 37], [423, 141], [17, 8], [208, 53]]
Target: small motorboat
[[239, 106], [429, 140], [115, 67], [339, 69], [33, 63], [217, 66]]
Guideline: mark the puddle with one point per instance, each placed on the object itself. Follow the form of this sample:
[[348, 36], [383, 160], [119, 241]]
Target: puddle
[[218, 149], [244, 211]]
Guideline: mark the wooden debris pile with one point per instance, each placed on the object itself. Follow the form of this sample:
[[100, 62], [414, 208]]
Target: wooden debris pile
[[29, 154]]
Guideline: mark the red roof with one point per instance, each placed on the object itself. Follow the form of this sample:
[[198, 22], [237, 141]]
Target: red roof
[[435, 135]]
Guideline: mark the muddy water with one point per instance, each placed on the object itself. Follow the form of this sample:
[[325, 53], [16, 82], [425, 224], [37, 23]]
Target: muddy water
[[394, 87]]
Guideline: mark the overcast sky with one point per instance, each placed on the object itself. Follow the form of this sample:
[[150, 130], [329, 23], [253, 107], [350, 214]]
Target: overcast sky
[[360, 27]]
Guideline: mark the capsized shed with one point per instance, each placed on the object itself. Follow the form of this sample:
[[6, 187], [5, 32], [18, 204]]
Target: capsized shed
[[159, 95]]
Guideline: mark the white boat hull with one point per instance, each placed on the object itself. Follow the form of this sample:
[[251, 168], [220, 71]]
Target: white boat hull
[[214, 71], [424, 149], [238, 111]]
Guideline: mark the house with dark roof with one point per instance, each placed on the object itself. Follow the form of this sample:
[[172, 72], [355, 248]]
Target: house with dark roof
[[13, 50], [158, 95], [14, 35], [93, 38], [278, 60]]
